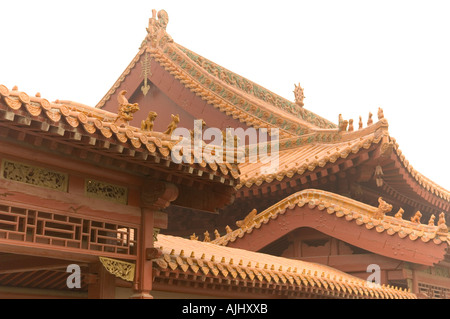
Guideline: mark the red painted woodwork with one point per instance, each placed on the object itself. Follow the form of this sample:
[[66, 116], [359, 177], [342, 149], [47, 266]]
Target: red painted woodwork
[[378, 243], [168, 96], [143, 278]]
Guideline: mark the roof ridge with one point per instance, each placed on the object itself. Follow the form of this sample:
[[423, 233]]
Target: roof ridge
[[121, 78], [352, 210], [232, 100], [423, 181], [256, 90], [338, 145], [107, 124], [205, 258]]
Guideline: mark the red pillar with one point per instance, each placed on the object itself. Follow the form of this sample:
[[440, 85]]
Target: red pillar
[[143, 281], [155, 196], [102, 285]]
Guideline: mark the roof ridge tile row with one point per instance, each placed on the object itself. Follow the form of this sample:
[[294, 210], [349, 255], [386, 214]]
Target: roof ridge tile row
[[205, 259], [342, 207], [94, 121]]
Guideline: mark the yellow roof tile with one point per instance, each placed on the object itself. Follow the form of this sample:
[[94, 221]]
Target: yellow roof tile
[[92, 121], [276, 270], [352, 210]]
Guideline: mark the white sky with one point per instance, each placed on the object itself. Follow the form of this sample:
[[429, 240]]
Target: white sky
[[349, 56]]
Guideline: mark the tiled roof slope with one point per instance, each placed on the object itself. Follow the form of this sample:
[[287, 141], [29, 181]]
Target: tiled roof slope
[[230, 93], [306, 153], [342, 207], [257, 91], [312, 151], [234, 266], [89, 121]]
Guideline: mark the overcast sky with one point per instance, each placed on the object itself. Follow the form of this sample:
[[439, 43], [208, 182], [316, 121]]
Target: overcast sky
[[351, 57]]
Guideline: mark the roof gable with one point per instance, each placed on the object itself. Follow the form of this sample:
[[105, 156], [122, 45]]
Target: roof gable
[[233, 95]]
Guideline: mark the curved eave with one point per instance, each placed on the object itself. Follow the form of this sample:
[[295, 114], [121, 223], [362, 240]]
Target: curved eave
[[217, 270], [345, 219], [306, 154], [426, 184], [93, 129]]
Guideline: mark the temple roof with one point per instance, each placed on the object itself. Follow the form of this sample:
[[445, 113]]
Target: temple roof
[[236, 267], [363, 218], [70, 121], [308, 152], [307, 141], [230, 93]]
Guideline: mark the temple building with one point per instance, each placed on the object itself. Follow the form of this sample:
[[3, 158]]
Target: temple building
[[105, 201]]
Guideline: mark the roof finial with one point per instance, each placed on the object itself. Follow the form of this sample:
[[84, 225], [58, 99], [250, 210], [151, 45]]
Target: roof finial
[[207, 238], [173, 124], [380, 113], [382, 209], [370, 120], [157, 29], [442, 226], [126, 109], [299, 95], [147, 124], [360, 125], [399, 214], [246, 222], [431, 220], [416, 217], [342, 124], [350, 125]]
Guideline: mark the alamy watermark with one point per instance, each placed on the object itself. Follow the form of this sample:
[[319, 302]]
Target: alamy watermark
[[374, 279], [232, 146], [74, 279]]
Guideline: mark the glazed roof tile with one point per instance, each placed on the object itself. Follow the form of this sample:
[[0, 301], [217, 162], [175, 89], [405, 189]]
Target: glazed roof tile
[[312, 151], [306, 153], [424, 181], [305, 132], [91, 121], [342, 207], [207, 259]]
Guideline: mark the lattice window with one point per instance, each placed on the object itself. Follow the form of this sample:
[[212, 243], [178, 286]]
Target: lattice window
[[434, 292], [106, 191], [33, 175], [35, 226]]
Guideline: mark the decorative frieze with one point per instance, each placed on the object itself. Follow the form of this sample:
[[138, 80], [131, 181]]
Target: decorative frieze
[[34, 175], [434, 292], [106, 191], [119, 268], [66, 231]]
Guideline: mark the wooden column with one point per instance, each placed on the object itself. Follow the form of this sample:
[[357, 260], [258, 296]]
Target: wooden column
[[155, 196], [143, 281], [102, 284]]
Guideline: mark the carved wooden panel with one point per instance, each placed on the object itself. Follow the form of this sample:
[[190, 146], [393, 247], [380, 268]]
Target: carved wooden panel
[[107, 191], [434, 292], [33, 175], [41, 227]]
